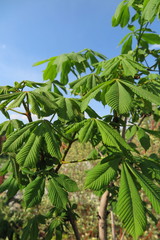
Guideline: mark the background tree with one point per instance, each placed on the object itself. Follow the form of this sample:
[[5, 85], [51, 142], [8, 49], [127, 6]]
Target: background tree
[[129, 84]]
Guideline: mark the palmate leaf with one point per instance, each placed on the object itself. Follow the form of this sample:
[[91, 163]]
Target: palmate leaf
[[17, 102], [118, 98], [103, 173], [152, 191], [53, 145], [87, 131], [129, 206], [57, 195], [34, 192], [142, 92], [85, 84], [68, 108], [92, 93], [29, 154], [111, 137], [125, 63], [7, 127], [17, 138]]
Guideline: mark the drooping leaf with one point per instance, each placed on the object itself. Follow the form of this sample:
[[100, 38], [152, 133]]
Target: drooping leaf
[[53, 144], [66, 182], [17, 102], [143, 138], [86, 131], [29, 154], [17, 138], [143, 93], [102, 174], [30, 231], [34, 192], [127, 46], [150, 9], [57, 195], [152, 191], [11, 185], [110, 136], [91, 94], [129, 206]]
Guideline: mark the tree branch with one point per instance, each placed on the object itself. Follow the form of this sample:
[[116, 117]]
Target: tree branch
[[103, 216]]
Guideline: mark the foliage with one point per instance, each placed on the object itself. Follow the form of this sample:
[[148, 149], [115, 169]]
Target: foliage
[[35, 152]]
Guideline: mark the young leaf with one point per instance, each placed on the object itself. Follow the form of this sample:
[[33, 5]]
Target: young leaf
[[102, 174], [151, 38], [127, 46], [150, 10], [129, 206]]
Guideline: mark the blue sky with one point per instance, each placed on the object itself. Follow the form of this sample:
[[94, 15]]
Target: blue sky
[[34, 30]]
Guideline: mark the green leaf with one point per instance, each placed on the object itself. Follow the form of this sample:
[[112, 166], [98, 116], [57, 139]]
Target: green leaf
[[143, 93], [143, 138], [102, 174], [127, 46], [30, 232], [118, 98], [110, 136], [86, 131], [129, 206], [121, 15], [151, 38], [57, 195], [67, 183], [68, 108], [35, 108], [152, 191], [85, 84], [17, 102], [11, 185], [34, 192], [51, 140], [150, 9], [29, 154], [91, 94], [131, 131], [17, 138]]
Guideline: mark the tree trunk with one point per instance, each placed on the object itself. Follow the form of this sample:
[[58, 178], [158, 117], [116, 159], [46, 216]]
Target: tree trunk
[[103, 216]]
